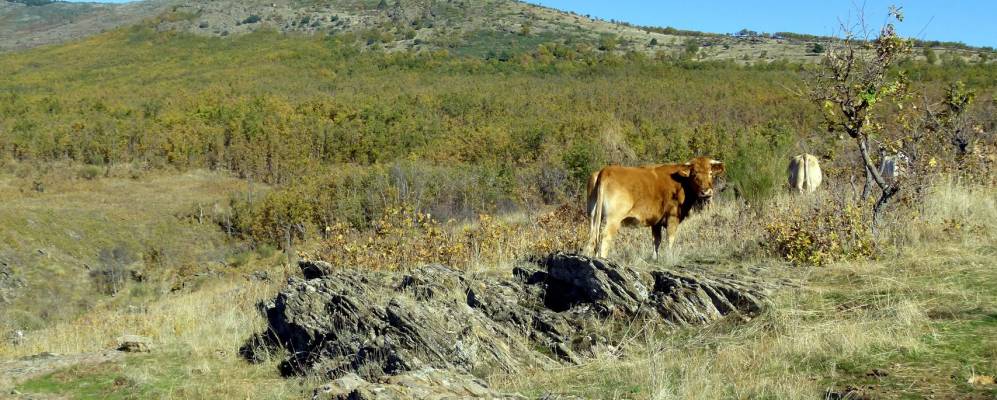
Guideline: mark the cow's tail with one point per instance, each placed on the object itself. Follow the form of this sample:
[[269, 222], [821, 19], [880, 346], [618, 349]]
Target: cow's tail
[[595, 205]]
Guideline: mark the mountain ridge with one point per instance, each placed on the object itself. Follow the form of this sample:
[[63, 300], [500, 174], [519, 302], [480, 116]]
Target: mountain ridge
[[484, 28]]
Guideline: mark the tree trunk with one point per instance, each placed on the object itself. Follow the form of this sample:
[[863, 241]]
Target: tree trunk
[[889, 190], [884, 198], [867, 186]]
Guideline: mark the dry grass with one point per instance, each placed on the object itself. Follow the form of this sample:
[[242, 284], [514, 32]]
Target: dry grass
[[54, 238], [843, 319], [195, 336], [903, 313], [788, 352]]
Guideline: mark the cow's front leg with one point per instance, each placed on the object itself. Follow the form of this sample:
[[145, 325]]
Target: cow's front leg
[[656, 233]]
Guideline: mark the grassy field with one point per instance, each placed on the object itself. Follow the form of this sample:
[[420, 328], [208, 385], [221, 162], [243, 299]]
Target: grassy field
[[65, 227], [916, 322]]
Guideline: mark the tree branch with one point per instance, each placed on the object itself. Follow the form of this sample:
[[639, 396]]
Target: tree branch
[[870, 166]]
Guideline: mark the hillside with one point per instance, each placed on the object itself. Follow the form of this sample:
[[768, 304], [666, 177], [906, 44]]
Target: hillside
[[481, 28], [27, 24]]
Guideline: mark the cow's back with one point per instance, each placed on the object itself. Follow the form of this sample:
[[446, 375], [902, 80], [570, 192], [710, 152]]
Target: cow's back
[[641, 193]]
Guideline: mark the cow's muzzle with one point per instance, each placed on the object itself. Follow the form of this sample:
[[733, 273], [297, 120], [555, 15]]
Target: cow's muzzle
[[705, 194]]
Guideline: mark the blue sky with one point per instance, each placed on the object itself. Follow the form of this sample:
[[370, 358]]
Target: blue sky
[[973, 22]]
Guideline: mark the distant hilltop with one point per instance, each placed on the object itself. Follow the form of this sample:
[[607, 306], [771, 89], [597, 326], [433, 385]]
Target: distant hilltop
[[485, 28]]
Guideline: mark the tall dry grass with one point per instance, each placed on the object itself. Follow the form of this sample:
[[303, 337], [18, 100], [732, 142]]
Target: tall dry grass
[[849, 314], [862, 312], [195, 337]]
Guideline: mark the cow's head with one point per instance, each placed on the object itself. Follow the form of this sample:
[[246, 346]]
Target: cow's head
[[700, 173]]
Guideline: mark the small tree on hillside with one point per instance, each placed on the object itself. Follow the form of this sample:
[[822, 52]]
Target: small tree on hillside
[[691, 47], [937, 133], [947, 125], [930, 56], [854, 78]]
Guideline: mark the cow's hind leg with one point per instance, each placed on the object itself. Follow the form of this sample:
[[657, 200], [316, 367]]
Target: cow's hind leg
[[656, 233], [612, 226], [592, 248]]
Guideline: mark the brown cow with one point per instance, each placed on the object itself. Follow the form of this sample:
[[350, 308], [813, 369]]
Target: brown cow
[[655, 195]]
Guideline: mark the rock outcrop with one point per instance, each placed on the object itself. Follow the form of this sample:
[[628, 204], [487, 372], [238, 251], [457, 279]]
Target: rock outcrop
[[426, 383], [10, 284], [380, 326], [134, 344]]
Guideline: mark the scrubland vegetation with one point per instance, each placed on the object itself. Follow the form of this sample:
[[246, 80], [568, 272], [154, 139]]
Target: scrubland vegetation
[[921, 309], [158, 183], [383, 128]]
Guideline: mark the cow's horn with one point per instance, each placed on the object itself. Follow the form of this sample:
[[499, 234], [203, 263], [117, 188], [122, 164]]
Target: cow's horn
[[715, 162]]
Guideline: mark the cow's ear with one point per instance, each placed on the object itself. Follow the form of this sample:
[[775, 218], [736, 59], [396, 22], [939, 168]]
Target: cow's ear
[[717, 167], [684, 172]]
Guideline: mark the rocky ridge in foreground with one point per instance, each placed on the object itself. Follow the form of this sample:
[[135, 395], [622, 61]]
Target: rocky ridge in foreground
[[370, 328]]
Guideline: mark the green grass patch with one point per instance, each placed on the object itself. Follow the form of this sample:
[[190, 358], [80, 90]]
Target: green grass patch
[[136, 378]]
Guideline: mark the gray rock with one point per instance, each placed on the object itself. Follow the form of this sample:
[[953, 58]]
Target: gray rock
[[556, 310], [314, 269], [15, 337], [691, 299], [428, 383], [259, 276], [575, 279], [375, 324], [134, 344], [341, 387], [11, 284]]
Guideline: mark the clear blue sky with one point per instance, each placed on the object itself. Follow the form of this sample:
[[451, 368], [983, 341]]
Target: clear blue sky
[[972, 22]]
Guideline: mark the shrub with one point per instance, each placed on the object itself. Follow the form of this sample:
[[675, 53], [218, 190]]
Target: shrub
[[252, 19], [930, 56], [403, 237], [608, 42], [581, 160], [691, 47], [751, 169], [89, 172], [821, 234], [283, 216], [110, 277]]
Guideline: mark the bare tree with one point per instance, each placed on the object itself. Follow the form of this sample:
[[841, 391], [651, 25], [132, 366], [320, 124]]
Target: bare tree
[[938, 131], [948, 117], [852, 79]]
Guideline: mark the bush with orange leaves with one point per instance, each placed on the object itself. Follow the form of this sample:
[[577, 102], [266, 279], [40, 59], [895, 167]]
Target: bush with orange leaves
[[403, 237], [821, 234]]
